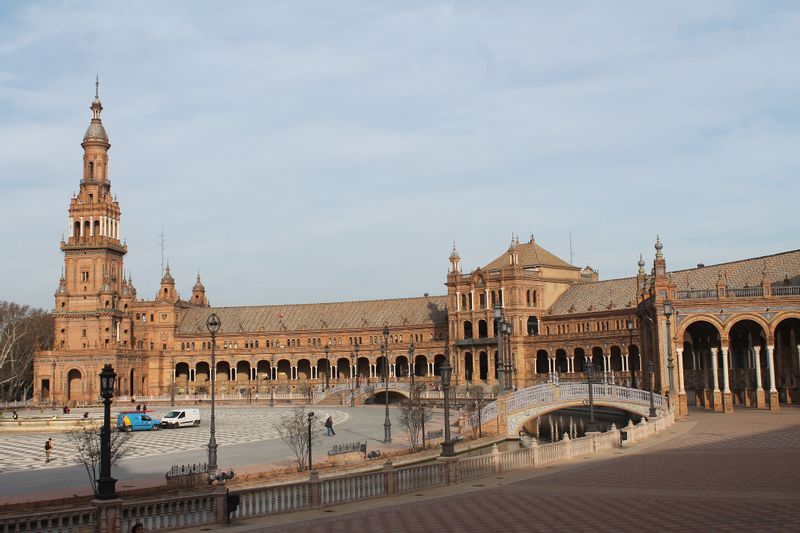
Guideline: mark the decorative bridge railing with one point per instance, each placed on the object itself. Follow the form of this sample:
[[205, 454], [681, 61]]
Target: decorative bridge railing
[[569, 392]]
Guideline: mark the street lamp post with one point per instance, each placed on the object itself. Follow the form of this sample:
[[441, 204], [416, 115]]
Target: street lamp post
[[53, 387], [650, 383], [411, 363], [498, 322], [354, 377], [310, 418], [509, 373], [591, 425], [106, 485], [213, 324], [387, 424], [629, 326], [327, 367], [668, 310], [448, 450], [172, 388]]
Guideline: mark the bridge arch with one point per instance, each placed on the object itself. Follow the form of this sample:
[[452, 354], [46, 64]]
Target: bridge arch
[[518, 420]]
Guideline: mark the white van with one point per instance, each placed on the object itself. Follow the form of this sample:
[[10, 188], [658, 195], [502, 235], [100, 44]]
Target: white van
[[178, 418]]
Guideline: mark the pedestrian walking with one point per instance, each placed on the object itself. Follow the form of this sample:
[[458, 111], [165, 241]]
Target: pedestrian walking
[[48, 449], [144, 408], [138, 407], [329, 427], [14, 415]]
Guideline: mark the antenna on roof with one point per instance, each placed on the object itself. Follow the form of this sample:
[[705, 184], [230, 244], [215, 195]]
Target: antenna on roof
[[162, 243], [571, 250]]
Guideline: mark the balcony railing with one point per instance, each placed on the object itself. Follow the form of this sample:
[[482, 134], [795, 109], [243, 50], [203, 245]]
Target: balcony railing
[[743, 292]]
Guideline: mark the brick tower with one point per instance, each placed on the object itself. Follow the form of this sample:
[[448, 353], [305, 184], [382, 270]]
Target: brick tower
[[88, 314]]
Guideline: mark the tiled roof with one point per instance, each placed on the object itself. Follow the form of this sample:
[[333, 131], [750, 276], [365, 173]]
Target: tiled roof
[[586, 297], [319, 316], [596, 296], [530, 255], [738, 274]]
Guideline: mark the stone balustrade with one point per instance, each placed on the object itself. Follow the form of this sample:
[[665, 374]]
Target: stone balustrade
[[198, 509]]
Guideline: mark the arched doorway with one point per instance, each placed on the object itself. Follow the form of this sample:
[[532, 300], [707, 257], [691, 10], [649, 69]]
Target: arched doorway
[[304, 368], [401, 366], [787, 360], [468, 366], [701, 341], [363, 370], [598, 359], [561, 361], [580, 360], [182, 378], [542, 362], [421, 366], [482, 329], [284, 369], [616, 359], [438, 361], [483, 363], [74, 385], [467, 329], [343, 369], [242, 373]]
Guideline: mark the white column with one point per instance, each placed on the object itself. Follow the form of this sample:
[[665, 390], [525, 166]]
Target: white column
[[81, 227], [334, 372], [725, 377], [72, 227], [571, 364], [679, 352], [458, 301], [472, 299], [118, 231], [91, 226], [502, 297], [771, 365], [714, 371], [102, 226], [488, 301], [757, 362]]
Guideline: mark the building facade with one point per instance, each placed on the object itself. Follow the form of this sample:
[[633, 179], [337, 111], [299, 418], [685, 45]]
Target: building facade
[[716, 336]]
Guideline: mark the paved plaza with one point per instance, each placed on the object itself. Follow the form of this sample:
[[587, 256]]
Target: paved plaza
[[246, 435], [234, 425], [712, 472]]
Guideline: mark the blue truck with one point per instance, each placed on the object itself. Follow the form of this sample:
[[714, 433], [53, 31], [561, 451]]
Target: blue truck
[[137, 421]]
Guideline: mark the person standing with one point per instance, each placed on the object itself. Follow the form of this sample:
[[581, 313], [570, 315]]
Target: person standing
[[329, 427], [48, 449]]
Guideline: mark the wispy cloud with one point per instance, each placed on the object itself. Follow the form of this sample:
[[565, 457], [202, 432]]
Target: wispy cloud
[[305, 151]]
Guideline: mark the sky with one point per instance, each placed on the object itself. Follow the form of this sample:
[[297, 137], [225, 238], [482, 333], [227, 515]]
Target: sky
[[300, 152]]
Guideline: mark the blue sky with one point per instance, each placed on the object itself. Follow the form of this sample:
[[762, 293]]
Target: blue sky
[[322, 151]]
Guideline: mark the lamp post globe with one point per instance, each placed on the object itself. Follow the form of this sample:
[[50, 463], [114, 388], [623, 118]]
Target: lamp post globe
[[106, 485], [213, 324]]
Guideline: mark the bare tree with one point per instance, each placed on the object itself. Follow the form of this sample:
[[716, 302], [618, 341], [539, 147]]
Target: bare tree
[[87, 446], [472, 407], [23, 331], [413, 415], [293, 430]]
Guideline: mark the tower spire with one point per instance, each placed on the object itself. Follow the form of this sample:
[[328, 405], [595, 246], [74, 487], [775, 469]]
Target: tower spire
[[97, 85]]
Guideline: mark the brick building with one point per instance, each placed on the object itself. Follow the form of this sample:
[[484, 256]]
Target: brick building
[[731, 337]]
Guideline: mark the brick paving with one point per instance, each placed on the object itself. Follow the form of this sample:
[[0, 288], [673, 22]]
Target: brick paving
[[727, 473]]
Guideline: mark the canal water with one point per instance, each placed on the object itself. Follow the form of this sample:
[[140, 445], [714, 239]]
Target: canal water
[[552, 427]]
